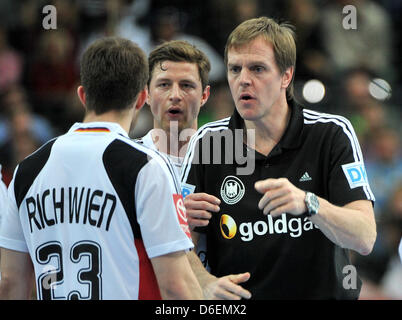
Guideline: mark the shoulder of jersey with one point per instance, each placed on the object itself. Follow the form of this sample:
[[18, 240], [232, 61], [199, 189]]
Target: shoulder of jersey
[[217, 125], [155, 154], [46, 147], [313, 117], [339, 122], [224, 123], [139, 145], [138, 140], [214, 126]]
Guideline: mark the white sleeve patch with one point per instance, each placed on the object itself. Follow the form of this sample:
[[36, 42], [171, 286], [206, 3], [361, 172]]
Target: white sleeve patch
[[356, 174]]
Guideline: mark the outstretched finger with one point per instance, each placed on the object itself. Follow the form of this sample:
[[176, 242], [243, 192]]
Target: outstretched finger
[[200, 205], [202, 196], [194, 223], [236, 289]]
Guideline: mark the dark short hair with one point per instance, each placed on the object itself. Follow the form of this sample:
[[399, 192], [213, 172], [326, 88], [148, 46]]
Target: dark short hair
[[180, 51], [113, 72]]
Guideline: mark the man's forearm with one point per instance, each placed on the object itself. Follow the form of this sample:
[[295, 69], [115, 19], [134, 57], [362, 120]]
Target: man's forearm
[[11, 290], [17, 275], [352, 226], [175, 277], [203, 276]]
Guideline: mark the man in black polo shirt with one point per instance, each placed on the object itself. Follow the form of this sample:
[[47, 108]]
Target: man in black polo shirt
[[291, 219]]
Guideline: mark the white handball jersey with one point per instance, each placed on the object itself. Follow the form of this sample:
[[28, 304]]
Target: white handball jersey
[[186, 189], [3, 197], [147, 141], [92, 208], [400, 250]]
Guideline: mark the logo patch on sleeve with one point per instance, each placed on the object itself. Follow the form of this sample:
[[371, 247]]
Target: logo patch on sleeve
[[181, 213], [186, 189], [356, 174]]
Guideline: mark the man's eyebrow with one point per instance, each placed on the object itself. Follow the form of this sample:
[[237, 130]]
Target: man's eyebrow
[[249, 63], [189, 80], [257, 62], [162, 79], [184, 80]]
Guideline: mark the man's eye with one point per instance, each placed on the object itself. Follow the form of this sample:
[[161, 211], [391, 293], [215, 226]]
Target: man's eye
[[163, 84], [258, 69], [235, 69], [187, 85]]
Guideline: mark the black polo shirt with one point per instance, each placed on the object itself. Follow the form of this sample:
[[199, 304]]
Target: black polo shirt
[[288, 256]]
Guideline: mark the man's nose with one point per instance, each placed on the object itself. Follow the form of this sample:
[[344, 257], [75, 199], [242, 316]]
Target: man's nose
[[245, 79], [175, 93]]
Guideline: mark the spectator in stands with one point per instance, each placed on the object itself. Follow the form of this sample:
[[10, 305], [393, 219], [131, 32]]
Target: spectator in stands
[[166, 25], [21, 130], [11, 63], [369, 45], [54, 76]]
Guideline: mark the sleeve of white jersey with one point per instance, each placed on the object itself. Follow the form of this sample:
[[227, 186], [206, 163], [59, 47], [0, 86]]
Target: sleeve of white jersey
[[159, 215], [400, 250], [11, 234], [3, 198]]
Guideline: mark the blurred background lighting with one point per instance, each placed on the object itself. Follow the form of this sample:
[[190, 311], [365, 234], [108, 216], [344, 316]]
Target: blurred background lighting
[[380, 89], [313, 91]]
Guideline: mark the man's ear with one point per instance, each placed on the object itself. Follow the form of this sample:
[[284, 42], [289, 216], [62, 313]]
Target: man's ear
[[205, 95], [142, 98], [287, 77], [82, 96], [147, 101]]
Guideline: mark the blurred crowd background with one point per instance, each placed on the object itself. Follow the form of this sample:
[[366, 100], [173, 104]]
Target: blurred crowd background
[[356, 73]]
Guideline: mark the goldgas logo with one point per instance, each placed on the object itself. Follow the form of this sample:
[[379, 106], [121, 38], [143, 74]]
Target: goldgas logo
[[285, 224], [232, 190], [228, 226]]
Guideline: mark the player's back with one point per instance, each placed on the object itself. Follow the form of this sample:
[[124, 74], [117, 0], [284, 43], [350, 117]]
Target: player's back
[[75, 198]]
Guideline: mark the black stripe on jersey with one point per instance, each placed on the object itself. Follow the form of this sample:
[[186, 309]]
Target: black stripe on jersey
[[29, 169], [123, 163], [169, 165]]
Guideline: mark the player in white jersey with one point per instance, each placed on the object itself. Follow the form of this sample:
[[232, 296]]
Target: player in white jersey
[[83, 220], [177, 89], [3, 196], [3, 200], [400, 250]]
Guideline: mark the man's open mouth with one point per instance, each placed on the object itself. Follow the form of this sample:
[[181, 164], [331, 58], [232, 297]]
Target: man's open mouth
[[174, 111], [246, 97]]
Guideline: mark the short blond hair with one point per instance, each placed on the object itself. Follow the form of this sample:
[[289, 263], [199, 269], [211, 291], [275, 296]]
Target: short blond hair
[[281, 35]]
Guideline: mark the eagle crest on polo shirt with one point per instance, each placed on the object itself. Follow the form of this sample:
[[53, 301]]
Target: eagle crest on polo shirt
[[232, 190]]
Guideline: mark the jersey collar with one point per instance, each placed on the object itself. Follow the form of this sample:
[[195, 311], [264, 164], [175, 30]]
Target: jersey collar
[[100, 127], [149, 141], [293, 133]]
